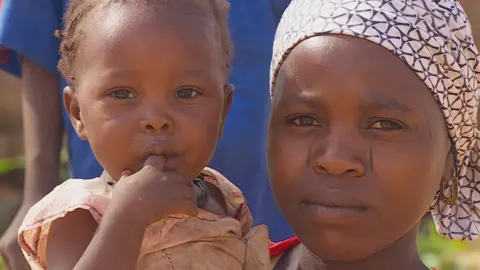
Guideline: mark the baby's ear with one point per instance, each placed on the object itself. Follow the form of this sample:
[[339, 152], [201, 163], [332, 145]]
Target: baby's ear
[[227, 103], [73, 110], [228, 98]]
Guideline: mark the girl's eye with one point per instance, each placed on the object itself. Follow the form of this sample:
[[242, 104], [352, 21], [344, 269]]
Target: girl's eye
[[187, 93], [387, 125], [303, 120], [122, 94]]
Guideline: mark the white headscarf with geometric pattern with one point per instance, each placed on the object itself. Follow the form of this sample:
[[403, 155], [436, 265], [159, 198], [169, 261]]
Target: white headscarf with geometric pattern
[[434, 38]]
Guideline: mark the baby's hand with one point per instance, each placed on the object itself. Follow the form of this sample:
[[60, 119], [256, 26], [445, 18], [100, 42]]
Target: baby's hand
[[151, 194]]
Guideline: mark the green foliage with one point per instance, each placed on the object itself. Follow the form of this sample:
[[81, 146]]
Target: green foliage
[[438, 251], [7, 165]]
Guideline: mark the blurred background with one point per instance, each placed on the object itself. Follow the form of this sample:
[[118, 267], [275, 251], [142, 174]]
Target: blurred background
[[435, 250]]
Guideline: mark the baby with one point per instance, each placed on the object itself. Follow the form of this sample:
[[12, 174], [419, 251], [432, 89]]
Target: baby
[[149, 91]]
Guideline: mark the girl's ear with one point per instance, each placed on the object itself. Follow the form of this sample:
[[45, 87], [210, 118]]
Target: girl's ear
[[449, 167], [227, 104]]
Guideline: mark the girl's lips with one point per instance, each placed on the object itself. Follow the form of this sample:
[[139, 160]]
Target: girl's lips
[[329, 213]]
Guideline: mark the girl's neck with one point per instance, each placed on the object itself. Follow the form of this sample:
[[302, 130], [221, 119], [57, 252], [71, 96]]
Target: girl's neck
[[400, 255]]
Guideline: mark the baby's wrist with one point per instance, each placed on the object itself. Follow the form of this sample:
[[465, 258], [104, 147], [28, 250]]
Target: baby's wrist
[[127, 215]]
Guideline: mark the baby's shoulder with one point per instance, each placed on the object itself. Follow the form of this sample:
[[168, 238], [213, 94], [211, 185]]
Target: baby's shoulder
[[235, 202], [233, 196], [92, 196], [228, 189], [66, 197]]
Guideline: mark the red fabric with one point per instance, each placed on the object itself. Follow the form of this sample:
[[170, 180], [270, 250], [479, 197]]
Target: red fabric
[[3, 51], [280, 247]]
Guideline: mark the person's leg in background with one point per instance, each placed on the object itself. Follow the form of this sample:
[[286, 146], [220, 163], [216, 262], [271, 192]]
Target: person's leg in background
[[30, 50]]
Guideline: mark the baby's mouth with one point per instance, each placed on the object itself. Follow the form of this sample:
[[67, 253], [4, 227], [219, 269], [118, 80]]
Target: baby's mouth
[[172, 160]]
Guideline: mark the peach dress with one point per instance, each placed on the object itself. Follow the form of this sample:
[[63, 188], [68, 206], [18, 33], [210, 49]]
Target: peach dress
[[208, 241]]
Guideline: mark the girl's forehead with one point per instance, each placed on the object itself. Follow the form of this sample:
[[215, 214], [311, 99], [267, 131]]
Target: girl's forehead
[[359, 72], [347, 58], [329, 51]]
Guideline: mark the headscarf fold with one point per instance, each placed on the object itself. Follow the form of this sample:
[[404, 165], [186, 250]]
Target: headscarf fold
[[434, 38]]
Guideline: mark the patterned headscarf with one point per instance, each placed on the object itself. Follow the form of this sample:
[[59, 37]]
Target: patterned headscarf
[[434, 38]]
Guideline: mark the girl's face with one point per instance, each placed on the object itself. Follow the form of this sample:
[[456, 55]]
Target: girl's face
[[357, 146], [150, 82]]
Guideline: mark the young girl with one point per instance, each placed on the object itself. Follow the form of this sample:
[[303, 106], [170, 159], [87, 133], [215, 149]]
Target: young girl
[[149, 92], [373, 119]]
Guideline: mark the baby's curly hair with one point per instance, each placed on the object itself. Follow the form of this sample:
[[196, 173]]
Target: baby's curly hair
[[79, 9]]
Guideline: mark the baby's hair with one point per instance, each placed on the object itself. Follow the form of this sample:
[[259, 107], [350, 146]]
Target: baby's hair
[[79, 9]]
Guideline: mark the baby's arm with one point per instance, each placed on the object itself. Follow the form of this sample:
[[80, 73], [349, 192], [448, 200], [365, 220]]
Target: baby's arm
[[78, 242], [69, 238]]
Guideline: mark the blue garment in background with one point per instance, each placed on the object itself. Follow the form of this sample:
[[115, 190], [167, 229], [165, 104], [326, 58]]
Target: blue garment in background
[[27, 28]]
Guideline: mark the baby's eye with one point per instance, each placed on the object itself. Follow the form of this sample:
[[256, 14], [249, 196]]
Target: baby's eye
[[122, 94], [303, 120], [387, 125], [187, 93]]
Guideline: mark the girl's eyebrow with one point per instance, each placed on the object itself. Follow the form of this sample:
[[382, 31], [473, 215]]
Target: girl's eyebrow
[[372, 103], [379, 102]]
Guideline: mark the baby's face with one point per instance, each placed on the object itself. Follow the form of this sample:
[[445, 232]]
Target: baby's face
[[357, 147], [150, 82]]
